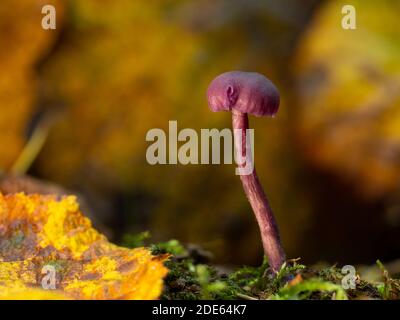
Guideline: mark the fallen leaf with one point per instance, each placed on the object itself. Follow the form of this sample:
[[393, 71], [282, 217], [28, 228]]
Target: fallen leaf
[[296, 280], [38, 231]]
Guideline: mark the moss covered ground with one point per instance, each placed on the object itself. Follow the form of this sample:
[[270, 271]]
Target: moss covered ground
[[191, 276]]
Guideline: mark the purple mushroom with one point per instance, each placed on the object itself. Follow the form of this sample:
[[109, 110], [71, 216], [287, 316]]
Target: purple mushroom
[[245, 93]]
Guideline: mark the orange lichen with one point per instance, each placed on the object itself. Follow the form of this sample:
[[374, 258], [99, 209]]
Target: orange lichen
[[38, 231]]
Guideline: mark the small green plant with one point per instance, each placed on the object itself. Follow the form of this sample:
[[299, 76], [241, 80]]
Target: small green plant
[[172, 246], [208, 287], [135, 240], [389, 288], [305, 289]]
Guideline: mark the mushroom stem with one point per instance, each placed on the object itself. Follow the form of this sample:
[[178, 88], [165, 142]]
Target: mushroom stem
[[258, 200]]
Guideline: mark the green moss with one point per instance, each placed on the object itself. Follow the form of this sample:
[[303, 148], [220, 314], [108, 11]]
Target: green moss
[[389, 289], [305, 289], [135, 240], [189, 278]]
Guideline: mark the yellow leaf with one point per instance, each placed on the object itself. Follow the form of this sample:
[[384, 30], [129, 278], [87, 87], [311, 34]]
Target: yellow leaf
[[38, 231]]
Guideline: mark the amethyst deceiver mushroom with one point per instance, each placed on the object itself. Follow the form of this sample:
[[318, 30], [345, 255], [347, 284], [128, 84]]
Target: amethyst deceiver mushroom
[[245, 93]]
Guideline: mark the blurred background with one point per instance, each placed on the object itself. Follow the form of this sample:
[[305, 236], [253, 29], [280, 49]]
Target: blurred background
[[112, 70]]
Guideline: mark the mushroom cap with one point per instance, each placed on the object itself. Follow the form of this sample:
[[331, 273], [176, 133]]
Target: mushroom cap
[[246, 92]]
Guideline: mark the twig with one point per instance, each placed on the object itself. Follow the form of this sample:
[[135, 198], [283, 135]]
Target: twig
[[245, 296]]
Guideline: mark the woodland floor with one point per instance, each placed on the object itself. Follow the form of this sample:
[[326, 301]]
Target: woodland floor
[[192, 277]]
